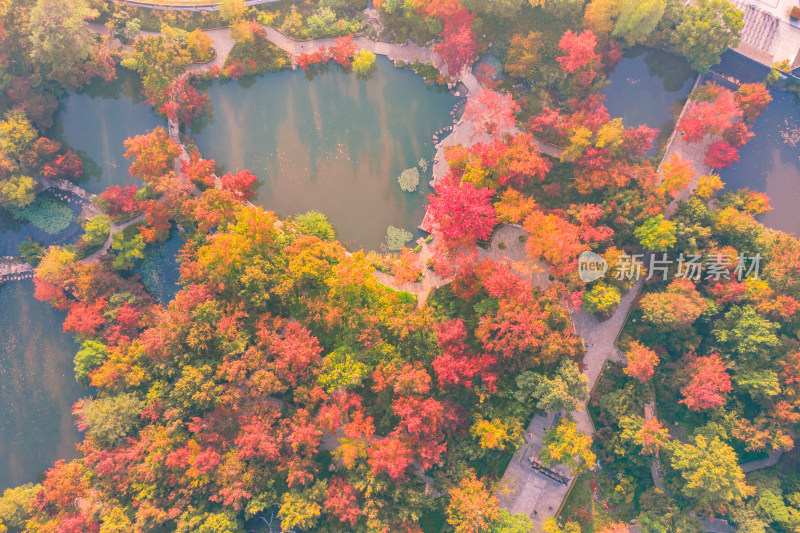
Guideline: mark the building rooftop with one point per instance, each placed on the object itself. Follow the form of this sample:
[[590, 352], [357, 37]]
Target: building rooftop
[[769, 35]]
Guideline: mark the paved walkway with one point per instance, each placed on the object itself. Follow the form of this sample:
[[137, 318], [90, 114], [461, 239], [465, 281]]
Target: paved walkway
[[185, 5], [223, 44], [524, 490]]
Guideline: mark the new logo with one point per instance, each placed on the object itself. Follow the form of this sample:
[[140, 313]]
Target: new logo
[[591, 266]]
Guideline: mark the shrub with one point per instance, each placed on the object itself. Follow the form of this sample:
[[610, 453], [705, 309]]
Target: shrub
[[795, 13], [200, 46], [255, 56], [601, 299], [96, 231]]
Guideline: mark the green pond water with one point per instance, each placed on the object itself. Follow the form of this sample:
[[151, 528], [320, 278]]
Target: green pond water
[[37, 386], [333, 143]]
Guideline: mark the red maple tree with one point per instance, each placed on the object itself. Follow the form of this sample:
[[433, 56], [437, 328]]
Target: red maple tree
[[458, 47], [152, 154], [708, 384], [182, 102], [491, 112], [67, 166], [240, 184], [580, 54], [120, 200], [641, 361], [752, 99], [462, 213], [721, 154]]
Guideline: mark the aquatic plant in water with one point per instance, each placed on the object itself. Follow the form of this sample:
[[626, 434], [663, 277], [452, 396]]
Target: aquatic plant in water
[[409, 179], [47, 214], [396, 238]]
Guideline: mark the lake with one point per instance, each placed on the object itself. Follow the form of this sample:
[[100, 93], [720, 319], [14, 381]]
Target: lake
[[333, 143], [37, 386], [330, 142]]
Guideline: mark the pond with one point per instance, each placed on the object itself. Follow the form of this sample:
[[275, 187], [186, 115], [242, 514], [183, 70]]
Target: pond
[[95, 122], [333, 143], [649, 87], [160, 269], [37, 386], [14, 230], [769, 162]]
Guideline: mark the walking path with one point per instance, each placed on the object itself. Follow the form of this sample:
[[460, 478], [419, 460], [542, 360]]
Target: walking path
[[524, 490], [185, 5]]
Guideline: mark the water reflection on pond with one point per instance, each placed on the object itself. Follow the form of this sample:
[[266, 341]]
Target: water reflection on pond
[[649, 87], [335, 143], [769, 162], [95, 122], [37, 386]]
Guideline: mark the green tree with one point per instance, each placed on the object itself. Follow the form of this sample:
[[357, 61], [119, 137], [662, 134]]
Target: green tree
[[561, 8], [638, 20], [89, 358], [707, 28], [566, 391], [321, 23], [128, 250], [316, 224], [363, 62], [656, 234], [60, 36], [498, 8], [32, 252], [568, 446], [16, 506], [745, 333], [110, 418], [96, 230], [711, 474], [661, 514], [512, 523], [232, 10]]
